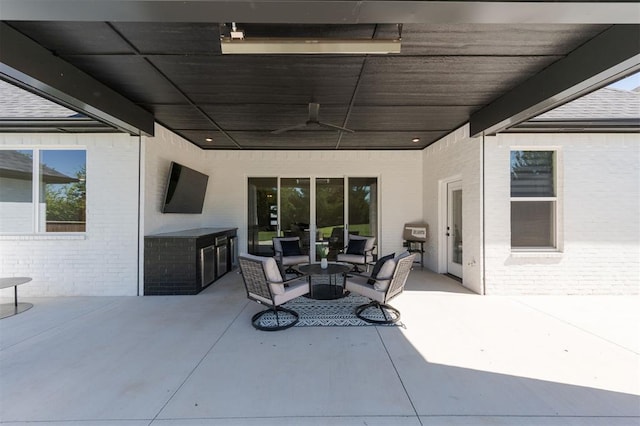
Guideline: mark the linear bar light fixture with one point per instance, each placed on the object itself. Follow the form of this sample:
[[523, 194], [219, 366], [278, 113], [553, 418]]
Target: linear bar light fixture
[[299, 46], [238, 44]]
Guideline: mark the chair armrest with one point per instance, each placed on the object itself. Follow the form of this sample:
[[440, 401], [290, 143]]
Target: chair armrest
[[278, 255], [355, 274], [291, 280]]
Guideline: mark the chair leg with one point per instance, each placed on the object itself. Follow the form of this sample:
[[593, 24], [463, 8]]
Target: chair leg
[[355, 268], [392, 318], [255, 320]]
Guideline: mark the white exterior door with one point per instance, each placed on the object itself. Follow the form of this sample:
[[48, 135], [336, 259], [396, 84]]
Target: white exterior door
[[454, 228]]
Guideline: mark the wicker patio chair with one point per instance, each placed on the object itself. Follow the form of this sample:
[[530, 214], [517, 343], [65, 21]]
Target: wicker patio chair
[[289, 253], [388, 284], [265, 285], [359, 251]]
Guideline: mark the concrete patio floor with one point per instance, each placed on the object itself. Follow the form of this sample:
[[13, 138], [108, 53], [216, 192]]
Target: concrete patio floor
[[459, 359]]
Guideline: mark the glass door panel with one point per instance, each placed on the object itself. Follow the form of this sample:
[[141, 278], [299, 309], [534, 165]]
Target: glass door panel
[[329, 216], [263, 215], [363, 206], [295, 209], [454, 228]]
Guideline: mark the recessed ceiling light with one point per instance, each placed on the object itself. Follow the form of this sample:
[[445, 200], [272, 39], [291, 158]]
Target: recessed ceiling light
[[415, 140], [209, 140]]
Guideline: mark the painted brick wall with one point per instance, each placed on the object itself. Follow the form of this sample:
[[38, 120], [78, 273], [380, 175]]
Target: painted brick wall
[[104, 260], [399, 174], [455, 156], [599, 217]]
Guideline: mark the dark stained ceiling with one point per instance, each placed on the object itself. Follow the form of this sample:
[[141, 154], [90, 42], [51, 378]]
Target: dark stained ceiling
[[443, 75]]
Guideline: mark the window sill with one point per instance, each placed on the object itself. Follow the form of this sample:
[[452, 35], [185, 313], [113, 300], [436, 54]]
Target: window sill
[[43, 237], [536, 253]]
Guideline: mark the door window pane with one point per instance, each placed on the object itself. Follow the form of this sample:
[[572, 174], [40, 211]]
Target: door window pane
[[532, 224], [263, 215], [63, 193], [16, 191], [456, 225], [330, 214], [532, 174]]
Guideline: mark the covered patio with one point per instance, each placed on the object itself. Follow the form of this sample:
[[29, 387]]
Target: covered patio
[[457, 359]]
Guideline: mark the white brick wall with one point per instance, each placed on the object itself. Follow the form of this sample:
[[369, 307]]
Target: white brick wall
[[599, 188], [103, 261], [456, 155], [399, 173], [599, 217]]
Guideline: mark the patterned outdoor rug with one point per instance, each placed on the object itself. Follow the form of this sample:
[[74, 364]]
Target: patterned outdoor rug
[[327, 313]]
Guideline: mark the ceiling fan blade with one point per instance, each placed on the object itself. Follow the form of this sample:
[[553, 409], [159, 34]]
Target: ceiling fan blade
[[334, 127], [286, 129], [314, 111], [312, 122]]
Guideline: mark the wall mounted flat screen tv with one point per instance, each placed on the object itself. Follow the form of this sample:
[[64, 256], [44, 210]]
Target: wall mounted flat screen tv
[[186, 189]]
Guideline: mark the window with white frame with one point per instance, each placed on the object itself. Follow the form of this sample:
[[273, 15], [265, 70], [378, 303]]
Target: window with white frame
[[56, 179], [533, 200]]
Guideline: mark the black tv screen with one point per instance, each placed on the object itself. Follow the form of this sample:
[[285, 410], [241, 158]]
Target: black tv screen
[[186, 189]]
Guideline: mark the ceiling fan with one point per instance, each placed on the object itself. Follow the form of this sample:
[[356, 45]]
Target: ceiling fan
[[312, 122]]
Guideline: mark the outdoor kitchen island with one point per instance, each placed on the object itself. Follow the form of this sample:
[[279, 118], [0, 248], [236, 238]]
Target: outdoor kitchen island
[[185, 262]]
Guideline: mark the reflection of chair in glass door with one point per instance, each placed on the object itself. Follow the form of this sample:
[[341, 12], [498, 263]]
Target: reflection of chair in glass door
[[336, 242]]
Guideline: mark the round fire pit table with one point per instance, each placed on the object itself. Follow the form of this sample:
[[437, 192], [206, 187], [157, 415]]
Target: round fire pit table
[[324, 282]]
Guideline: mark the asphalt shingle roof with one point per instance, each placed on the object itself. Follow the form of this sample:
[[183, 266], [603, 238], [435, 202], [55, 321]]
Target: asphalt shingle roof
[[18, 103], [604, 104]]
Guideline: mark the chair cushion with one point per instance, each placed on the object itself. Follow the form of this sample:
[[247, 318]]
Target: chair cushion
[[295, 260], [351, 258], [294, 290], [290, 248], [384, 275], [402, 255], [369, 241], [356, 247], [377, 266], [360, 286], [272, 272]]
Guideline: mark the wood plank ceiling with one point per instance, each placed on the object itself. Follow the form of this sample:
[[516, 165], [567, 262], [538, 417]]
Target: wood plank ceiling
[[176, 71]]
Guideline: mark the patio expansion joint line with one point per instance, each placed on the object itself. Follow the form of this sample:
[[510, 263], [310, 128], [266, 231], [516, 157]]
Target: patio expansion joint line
[[186, 379], [62, 324], [399, 377], [575, 326]]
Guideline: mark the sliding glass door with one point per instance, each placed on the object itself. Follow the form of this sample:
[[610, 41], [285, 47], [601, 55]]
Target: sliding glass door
[[330, 222], [322, 211], [263, 215], [363, 205], [295, 208]]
